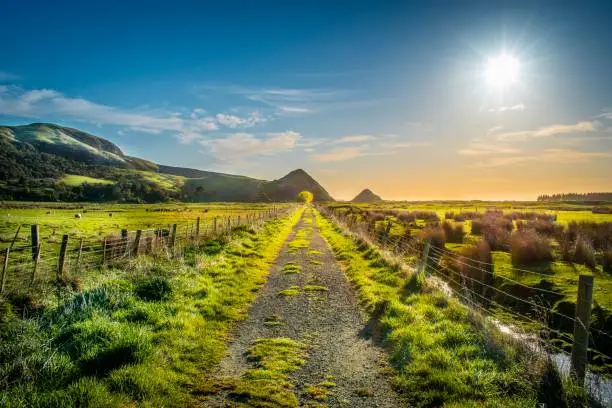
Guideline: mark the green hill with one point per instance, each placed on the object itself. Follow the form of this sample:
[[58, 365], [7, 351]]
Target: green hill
[[48, 162]]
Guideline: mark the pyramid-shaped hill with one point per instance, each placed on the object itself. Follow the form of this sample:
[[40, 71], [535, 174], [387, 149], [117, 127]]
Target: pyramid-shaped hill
[[367, 196], [288, 187]]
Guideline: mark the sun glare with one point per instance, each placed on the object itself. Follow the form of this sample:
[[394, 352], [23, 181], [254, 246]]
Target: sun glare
[[502, 71]]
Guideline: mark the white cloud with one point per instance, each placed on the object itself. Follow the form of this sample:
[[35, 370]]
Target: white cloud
[[340, 154], [294, 109], [233, 121], [242, 145], [548, 131], [406, 145], [552, 156], [353, 139], [495, 129], [517, 107], [482, 149], [46, 103]]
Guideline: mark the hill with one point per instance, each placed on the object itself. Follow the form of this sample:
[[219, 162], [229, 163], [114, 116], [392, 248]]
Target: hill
[[48, 162], [366, 196]]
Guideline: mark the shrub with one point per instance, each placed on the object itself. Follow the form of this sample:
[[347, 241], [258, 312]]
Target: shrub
[[453, 233], [154, 289], [476, 262], [449, 215], [527, 247], [477, 227], [406, 217], [607, 261], [584, 253]]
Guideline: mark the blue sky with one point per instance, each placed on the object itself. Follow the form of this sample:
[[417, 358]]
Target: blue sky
[[387, 95]]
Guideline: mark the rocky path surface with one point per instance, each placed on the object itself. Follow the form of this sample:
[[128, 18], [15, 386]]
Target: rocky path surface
[[308, 299]]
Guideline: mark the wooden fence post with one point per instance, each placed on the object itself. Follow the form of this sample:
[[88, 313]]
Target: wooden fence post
[[581, 327], [124, 241], [173, 238], [35, 238], [79, 254], [197, 230], [104, 252], [36, 261], [137, 242], [425, 259], [62, 257], [15, 237], [7, 251]]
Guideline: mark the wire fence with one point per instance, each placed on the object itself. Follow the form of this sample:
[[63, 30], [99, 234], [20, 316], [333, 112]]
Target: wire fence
[[31, 269], [532, 318]]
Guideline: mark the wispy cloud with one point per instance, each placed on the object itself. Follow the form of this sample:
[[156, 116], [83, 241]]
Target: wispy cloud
[[484, 148], [517, 107], [7, 76], [239, 146], [353, 139], [548, 131], [550, 156], [234, 121], [495, 129], [340, 154], [189, 126]]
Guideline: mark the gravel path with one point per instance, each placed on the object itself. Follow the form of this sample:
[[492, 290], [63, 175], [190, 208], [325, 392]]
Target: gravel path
[[355, 371]]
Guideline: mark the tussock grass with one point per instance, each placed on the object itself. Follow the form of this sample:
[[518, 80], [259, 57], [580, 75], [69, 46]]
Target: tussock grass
[[291, 268]]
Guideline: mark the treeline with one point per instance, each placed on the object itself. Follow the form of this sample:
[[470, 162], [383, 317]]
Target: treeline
[[576, 197], [27, 174]]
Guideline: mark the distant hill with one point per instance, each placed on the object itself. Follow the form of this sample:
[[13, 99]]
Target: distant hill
[[48, 162], [366, 196]]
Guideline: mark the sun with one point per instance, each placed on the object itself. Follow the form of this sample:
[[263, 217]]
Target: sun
[[502, 71]]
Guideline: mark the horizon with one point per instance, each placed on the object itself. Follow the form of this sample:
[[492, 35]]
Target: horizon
[[402, 99]]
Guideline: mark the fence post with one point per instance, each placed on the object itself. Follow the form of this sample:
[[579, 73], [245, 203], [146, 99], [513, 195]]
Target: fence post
[[173, 238], [425, 259], [197, 230], [62, 257], [104, 253], [35, 238], [124, 241], [581, 327], [15, 237], [36, 260], [137, 242], [80, 253], [7, 251]]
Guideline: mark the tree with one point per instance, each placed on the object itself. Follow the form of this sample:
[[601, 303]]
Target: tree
[[305, 197]]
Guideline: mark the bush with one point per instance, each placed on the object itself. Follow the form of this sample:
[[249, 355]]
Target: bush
[[476, 262], [527, 247], [406, 217], [154, 289], [449, 215], [607, 261], [477, 227], [453, 233], [584, 253]]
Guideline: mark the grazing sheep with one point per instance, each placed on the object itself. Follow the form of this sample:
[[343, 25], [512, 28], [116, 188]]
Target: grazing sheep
[[78, 216]]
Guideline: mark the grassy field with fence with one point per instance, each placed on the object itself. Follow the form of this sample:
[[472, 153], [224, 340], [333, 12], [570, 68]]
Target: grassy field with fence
[[522, 266]]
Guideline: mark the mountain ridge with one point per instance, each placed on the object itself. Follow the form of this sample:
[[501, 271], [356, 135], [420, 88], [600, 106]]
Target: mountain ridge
[[36, 160]]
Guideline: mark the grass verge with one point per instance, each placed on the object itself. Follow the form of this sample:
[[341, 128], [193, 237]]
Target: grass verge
[[443, 354], [141, 336]]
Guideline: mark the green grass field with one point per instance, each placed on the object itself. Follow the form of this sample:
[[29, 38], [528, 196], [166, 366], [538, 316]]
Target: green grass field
[[74, 180]]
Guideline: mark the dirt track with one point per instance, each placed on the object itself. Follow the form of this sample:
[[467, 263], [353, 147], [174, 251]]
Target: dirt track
[[328, 321]]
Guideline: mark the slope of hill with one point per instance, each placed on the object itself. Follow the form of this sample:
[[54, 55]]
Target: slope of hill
[[36, 159], [366, 196]]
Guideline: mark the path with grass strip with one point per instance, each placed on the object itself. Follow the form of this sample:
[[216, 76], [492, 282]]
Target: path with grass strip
[[301, 344]]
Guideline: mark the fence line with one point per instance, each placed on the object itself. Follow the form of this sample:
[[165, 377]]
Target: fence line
[[33, 271], [430, 263]]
